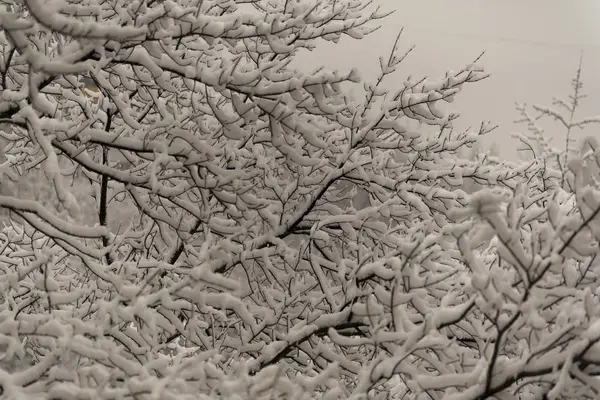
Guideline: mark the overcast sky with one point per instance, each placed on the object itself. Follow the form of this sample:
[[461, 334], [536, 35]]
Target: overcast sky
[[532, 51]]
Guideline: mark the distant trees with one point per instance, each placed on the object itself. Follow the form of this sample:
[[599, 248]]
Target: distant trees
[[203, 239]]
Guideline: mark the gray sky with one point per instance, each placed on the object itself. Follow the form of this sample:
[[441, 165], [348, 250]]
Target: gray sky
[[532, 51]]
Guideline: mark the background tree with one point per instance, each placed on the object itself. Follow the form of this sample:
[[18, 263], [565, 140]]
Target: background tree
[[224, 256], [534, 142]]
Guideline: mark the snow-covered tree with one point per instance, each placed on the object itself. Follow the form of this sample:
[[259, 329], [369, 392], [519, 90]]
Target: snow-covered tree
[[535, 144], [535, 283], [199, 235]]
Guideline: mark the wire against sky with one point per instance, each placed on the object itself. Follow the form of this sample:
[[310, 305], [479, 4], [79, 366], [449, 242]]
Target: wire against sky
[[504, 39]]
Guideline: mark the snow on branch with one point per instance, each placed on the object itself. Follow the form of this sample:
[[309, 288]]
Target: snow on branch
[[186, 216], [49, 15]]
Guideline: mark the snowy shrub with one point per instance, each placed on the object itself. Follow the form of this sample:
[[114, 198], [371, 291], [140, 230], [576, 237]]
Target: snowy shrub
[[227, 255]]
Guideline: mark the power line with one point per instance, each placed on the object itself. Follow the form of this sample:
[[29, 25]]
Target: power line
[[504, 39]]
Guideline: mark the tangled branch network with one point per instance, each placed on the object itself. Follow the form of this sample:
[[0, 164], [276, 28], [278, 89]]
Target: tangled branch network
[[208, 222]]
